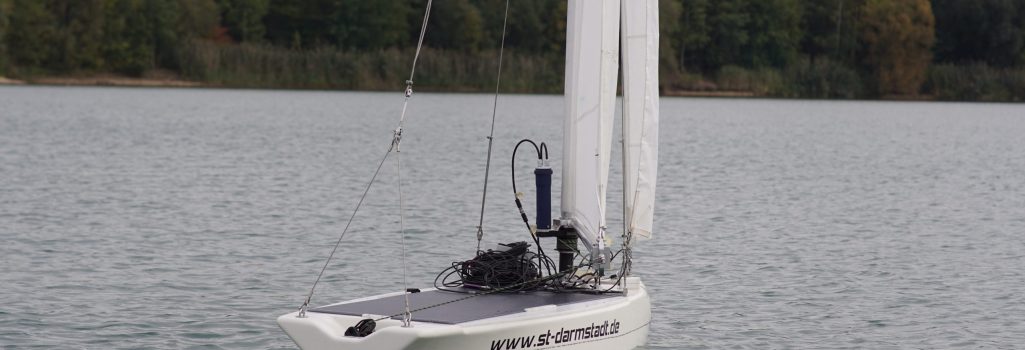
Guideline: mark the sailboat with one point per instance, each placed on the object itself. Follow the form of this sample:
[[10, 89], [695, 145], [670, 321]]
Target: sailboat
[[590, 300]]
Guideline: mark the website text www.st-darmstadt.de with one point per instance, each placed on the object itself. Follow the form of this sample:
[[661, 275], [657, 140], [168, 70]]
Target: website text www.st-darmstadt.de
[[561, 337]]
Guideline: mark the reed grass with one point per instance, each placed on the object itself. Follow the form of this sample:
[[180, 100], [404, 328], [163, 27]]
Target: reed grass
[[804, 79], [976, 82], [264, 66]]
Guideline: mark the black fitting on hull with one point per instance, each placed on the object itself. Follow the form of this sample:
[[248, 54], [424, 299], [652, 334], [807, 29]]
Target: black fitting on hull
[[566, 244]]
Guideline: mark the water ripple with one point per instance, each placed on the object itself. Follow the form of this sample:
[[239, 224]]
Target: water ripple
[[170, 219]]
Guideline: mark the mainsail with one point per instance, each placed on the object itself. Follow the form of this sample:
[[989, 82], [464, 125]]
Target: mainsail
[[640, 113], [592, 68]]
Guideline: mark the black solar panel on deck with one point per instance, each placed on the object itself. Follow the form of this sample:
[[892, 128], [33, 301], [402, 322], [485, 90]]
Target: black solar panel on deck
[[466, 310]]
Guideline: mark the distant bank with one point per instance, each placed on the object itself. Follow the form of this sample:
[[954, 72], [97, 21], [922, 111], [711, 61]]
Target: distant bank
[[949, 50], [170, 80], [104, 80], [5, 81], [260, 66], [177, 82]]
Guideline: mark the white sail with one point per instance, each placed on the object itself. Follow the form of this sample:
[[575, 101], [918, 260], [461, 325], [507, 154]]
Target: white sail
[[592, 68], [640, 113]]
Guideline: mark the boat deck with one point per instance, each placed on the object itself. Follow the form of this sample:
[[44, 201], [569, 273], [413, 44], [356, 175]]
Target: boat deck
[[459, 307]]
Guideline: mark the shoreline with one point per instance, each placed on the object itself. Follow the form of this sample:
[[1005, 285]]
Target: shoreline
[[123, 81], [169, 81], [6, 81], [105, 80], [709, 93]]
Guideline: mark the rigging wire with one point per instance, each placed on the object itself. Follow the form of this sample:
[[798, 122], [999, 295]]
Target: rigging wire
[[306, 303], [402, 233], [491, 137], [396, 140], [420, 42]]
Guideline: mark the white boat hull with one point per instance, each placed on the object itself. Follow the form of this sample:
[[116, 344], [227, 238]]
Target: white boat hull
[[612, 323]]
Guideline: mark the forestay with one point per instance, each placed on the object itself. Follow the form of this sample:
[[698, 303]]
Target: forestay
[[592, 68], [640, 112]]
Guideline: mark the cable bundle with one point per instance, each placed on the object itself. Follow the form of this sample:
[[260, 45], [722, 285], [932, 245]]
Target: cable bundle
[[513, 269]]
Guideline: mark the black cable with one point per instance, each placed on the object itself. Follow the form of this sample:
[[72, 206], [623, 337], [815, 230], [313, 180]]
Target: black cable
[[543, 258], [515, 270], [513, 163], [509, 270]]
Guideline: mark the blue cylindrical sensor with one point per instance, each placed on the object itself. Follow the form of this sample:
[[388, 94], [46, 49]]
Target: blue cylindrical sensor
[[543, 180]]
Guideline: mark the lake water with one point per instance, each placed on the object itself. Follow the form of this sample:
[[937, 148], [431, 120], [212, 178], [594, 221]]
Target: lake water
[[171, 219]]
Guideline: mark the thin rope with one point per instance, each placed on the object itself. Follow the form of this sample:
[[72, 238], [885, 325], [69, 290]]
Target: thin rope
[[306, 303], [491, 137], [402, 232], [396, 140], [412, 70], [420, 42]]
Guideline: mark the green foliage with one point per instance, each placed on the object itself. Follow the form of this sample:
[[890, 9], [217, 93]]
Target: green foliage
[[127, 49], [991, 31], [828, 29], [898, 36], [378, 24], [819, 23], [5, 9], [31, 33], [161, 17], [244, 18], [556, 30], [669, 30], [124, 36], [775, 32], [455, 24], [747, 33], [792, 48], [728, 21], [302, 23], [200, 18], [692, 35], [528, 22], [79, 34]]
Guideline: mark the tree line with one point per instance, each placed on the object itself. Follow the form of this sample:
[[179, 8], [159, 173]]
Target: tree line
[[948, 49]]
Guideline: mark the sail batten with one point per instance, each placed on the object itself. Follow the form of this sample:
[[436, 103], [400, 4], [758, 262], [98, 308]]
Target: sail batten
[[592, 68], [640, 113]]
